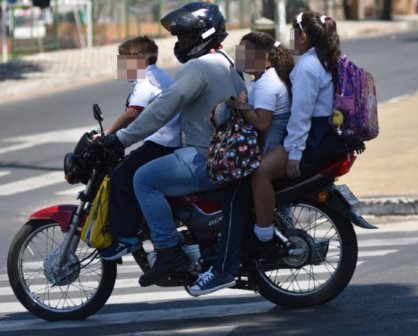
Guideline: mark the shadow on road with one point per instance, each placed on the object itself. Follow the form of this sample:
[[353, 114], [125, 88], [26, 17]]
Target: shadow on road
[[18, 70], [385, 309], [14, 165]]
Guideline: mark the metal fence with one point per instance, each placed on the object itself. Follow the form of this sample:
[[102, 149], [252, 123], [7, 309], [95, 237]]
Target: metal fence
[[83, 23]]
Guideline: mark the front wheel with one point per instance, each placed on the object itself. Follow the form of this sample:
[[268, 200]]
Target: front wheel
[[78, 290], [323, 262]]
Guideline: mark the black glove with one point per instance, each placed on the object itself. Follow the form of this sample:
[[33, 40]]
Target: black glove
[[112, 146], [111, 141]]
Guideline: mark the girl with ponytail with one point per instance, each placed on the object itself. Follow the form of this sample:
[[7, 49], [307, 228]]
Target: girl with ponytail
[[310, 140]]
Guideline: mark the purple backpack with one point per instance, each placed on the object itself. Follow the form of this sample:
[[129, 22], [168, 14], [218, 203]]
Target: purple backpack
[[355, 103]]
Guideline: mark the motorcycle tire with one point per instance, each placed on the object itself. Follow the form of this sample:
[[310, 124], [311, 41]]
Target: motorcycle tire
[[296, 282], [33, 249]]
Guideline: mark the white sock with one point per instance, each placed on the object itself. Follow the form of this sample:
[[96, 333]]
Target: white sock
[[264, 233]]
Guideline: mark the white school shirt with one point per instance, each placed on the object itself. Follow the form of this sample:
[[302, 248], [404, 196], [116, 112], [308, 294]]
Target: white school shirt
[[270, 93], [313, 96], [145, 91], [200, 85]]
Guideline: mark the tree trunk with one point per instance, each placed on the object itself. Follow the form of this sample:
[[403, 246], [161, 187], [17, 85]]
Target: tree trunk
[[387, 10], [347, 9], [269, 9]]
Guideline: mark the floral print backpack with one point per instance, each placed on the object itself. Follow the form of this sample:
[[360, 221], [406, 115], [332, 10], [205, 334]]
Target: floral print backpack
[[234, 152]]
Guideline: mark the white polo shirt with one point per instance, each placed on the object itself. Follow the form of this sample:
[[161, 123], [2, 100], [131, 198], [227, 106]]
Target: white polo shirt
[[270, 93], [144, 91]]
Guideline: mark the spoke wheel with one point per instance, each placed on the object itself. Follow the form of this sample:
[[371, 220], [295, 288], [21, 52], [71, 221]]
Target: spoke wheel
[[78, 290], [324, 257]]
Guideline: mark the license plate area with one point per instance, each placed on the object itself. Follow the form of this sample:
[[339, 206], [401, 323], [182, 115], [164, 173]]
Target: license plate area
[[346, 193]]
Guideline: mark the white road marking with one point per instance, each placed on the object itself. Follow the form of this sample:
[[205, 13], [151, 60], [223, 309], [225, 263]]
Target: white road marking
[[389, 228], [133, 283], [29, 141], [388, 242], [207, 330], [71, 192], [31, 183], [4, 173], [142, 316], [15, 307], [363, 254]]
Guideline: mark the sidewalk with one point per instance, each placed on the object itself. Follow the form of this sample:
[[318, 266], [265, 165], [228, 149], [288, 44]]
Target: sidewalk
[[59, 70], [384, 177]]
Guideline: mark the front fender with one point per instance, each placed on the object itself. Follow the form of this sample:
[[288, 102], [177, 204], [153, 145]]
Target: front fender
[[61, 213]]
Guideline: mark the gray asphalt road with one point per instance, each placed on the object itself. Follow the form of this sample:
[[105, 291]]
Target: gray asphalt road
[[381, 300], [392, 59]]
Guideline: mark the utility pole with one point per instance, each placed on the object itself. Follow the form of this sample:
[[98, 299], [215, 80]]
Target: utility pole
[[281, 20], [90, 24], [4, 31], [330, 8]]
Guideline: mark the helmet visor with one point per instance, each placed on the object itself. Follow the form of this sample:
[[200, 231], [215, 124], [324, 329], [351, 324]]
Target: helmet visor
[[181, 21]]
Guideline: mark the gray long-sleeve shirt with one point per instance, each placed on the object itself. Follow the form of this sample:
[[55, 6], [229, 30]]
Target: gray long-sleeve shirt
[[199, 86]]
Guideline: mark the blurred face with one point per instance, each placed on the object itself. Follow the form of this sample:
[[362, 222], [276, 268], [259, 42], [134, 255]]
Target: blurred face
[[131, 67], [299, 41], [295, 34], [249, 59]]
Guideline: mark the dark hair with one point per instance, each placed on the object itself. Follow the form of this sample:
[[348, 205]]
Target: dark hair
[[324, 38], [140, 45], [279, 57]]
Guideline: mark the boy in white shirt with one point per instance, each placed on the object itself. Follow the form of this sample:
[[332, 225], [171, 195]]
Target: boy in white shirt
[[136, 62]]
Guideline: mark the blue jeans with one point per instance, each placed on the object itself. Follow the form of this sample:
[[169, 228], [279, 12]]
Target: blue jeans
[[124, 212], [178, 174]]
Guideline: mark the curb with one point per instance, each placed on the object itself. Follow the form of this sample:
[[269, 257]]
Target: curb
[[387, 206]]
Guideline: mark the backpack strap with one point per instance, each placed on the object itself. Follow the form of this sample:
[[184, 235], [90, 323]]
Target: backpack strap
[[230, 62]]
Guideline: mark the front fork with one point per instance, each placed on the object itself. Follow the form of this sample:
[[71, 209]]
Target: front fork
[[71, 239]]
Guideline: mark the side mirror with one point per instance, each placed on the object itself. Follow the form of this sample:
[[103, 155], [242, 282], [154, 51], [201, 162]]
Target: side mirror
[[97, 113]]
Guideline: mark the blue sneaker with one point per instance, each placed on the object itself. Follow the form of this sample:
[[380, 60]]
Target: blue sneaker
[[119, 249], [211, 281]]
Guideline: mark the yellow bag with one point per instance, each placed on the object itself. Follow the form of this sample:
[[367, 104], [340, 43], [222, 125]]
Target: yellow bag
[[95, 230]]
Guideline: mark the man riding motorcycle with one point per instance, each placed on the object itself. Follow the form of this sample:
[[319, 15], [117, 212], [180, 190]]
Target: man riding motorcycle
[[205, 79]]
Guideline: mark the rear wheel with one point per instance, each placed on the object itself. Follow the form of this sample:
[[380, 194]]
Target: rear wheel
[[324, 259], [81, 288]]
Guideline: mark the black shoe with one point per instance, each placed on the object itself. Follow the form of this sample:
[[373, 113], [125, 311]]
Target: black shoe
[[270, 248], [168, 260]]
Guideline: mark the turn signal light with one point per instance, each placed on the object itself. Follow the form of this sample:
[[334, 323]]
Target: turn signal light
[[323, 197]]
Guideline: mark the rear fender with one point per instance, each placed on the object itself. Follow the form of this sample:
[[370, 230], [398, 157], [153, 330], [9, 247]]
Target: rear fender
[[337, 203], [61, 213]]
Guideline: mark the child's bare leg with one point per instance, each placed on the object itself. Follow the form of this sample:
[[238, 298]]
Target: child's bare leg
[[273, 166]]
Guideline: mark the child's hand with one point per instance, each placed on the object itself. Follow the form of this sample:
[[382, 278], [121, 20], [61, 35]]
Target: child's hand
[[243, 96], [293, 170]]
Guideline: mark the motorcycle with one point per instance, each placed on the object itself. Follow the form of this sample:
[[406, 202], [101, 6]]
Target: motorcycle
[[57, 276]]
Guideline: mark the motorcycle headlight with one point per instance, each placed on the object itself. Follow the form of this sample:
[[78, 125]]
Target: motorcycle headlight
[[74, 170], [79, 164]]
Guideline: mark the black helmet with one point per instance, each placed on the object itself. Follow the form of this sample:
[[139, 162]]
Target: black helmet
[[202, 20]]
